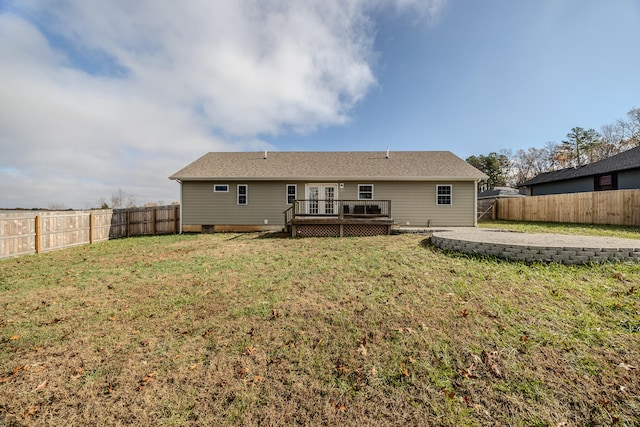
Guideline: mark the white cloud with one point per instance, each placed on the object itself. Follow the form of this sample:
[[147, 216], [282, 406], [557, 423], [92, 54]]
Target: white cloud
[[98, 96]]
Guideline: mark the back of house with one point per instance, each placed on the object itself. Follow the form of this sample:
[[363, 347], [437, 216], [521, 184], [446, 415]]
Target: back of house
[[246, 191]]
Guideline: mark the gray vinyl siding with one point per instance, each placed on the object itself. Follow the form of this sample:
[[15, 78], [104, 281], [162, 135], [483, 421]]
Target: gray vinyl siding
[[415, 202], [411, 202], [629, 180], [579, 185], [266, 200]]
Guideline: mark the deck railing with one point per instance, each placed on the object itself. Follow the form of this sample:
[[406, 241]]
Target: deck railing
[[338, 208]]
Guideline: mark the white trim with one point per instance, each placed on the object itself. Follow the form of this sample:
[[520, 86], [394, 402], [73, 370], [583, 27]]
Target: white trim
[[286, 193], [215, 188], [450, 195], [368, 185], [246, 194], [320, 184]]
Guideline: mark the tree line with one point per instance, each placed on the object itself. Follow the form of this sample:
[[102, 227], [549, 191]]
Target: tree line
[[580, 147]]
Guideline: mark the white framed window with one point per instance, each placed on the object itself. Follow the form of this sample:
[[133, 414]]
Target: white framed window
[[444, 195], [292, 193], [365, 191], [221, 188], [243, 194]]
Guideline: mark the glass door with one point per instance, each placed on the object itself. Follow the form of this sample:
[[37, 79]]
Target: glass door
[[321, 199]]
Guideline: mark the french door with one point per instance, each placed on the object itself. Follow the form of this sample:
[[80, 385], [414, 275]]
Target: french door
[[321, 199]]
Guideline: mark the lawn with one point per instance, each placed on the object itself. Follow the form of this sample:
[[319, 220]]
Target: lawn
[[252, 329]]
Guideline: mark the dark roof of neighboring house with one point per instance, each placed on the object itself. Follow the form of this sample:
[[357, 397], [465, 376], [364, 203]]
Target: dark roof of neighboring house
[[626, 160], [400, 165], [500, 192]]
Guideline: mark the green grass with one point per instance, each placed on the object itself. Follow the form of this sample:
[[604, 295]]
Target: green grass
[[248, 329]]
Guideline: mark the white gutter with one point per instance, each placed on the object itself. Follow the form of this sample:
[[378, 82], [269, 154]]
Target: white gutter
[[181, 204]]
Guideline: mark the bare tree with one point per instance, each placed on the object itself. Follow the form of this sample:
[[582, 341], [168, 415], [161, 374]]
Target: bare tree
[[56, 207], [102, 202], [632, 128], [612, 141], [121, 199]]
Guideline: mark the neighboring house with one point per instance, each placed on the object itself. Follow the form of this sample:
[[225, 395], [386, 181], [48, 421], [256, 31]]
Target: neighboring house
[[276, 190], [619, 172]]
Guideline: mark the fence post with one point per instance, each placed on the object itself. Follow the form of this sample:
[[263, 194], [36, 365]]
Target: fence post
[[38, 233], [154, 216], [175, 219], [128, 222]]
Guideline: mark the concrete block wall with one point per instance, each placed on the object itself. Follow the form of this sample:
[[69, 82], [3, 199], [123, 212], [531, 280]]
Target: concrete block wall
[[561, 255]]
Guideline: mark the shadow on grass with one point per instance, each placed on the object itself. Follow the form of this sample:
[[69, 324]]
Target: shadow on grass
[[273, 235]]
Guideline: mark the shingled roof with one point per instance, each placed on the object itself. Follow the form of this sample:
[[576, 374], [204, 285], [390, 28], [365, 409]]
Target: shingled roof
[[627, 160], [400, 165]]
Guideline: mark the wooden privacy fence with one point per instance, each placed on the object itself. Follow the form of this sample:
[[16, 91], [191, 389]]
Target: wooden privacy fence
[[27, 232], [620, 207]]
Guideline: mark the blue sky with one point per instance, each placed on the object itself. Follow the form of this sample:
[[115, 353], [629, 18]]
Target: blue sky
[[101, 96]]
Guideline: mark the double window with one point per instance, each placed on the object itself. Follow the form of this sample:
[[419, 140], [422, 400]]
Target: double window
[[443, 195], [243, 194], [365, 191]]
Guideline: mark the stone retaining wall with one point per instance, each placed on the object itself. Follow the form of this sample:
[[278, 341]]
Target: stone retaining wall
[[561, 255]]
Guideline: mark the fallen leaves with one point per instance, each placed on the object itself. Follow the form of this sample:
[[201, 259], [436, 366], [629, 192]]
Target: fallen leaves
[[340, 407], [491, 360], [78, 372], [31, 410], [40, 386], [626, 366], [404, 371], [469, 372], [488, 359], [341, 368], [362, 350], [146, 380], [10, 376]]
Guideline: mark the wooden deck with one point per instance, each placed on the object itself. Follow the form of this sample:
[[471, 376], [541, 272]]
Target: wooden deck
[[340, 218]]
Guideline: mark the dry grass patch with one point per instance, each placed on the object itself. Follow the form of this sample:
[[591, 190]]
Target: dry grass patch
[[247, 329]]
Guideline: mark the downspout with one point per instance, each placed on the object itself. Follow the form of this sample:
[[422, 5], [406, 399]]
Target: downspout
[[181, 204]]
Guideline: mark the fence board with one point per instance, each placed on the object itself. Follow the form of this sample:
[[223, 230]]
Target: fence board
[[17, 234], [28, 232], [619, 207]]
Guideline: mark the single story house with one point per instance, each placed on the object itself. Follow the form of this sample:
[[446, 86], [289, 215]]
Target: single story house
[[246, 191], [619, 172]]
